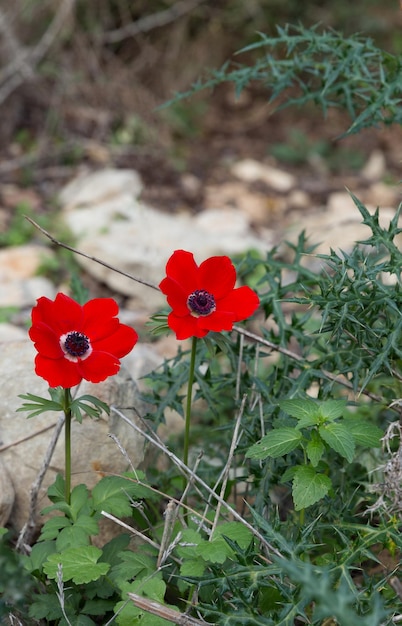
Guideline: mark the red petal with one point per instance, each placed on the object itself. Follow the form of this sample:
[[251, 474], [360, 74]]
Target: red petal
[[57, 372], [62, 314], [182, 269], [100, 318], [242, 302], [217, 275], [218, 321], [185, 327], [119, 343], [98, 366], [176, 296], [46, 341]]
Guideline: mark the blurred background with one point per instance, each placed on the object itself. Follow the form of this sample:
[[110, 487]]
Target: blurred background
[[81, 82]]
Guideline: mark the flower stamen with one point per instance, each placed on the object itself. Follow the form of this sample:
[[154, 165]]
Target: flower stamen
[[201, 303], [75, 345]]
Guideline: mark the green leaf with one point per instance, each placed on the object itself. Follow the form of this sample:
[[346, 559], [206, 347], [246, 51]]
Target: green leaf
[[72, 536], [276, 443], [79, 500], [235, 531], [129, 615], [309, 487], [88, 405], [45, 606], [52, 527], [57, 491], [315, 449], [302, 409], [78, 564], [112, 494], [331, 409], [39, 554], [193, 568], [112, 551], [214, 551], [132, 564], [339, 439], [364, 433], [38, 405]]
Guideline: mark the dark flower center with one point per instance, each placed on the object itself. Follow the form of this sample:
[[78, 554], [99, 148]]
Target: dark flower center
[[76, 344], [201, 302]]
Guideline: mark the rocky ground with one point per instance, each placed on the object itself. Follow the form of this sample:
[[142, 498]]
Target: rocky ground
[[233, 195]]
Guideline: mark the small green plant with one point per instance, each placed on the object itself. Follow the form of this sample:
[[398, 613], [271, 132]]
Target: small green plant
[[322, 68], [318, 427]]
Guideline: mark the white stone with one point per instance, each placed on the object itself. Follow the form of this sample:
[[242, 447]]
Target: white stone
[[375, 167], [9, 332], [24, 293], [92, 188], [250, 171]]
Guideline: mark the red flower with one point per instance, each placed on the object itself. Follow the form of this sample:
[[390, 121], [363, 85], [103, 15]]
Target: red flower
[[203, 298], [76, 342]]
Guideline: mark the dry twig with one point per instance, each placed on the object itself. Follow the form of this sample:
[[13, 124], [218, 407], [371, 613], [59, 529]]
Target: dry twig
[[23, 65], [150, 22]]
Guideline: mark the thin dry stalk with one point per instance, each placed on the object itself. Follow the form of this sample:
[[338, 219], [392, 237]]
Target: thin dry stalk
[[150, 22], [233, 446], [28, 530], [175, 617], [188, 472]]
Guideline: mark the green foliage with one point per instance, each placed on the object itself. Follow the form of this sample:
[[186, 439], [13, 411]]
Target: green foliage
[[321, 431], [83, 405], [301, 406], [322, 68]]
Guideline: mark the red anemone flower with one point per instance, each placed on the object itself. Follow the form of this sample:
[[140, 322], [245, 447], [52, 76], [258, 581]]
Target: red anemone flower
[[76, 342], [204, 297]]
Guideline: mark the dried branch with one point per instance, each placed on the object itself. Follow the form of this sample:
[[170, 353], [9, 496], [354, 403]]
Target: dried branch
[[87, 256], [23, 65], [28, 530], [155, 608], [189, 472], [149, 22]]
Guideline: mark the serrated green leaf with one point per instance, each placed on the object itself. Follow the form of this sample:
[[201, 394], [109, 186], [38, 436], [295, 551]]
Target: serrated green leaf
[[52, 527], [364, 433], [214, 551], [129, 615], [302, 408], [57, 491], [45, 606], [78, 564], [309, 487], [112, 494], [70, 537], [235, 531], [193, 568], [132, 564], [339, 439], [79, 500], [331, 409], [39, 554], [189, 540], [314, 450], [277, 442]]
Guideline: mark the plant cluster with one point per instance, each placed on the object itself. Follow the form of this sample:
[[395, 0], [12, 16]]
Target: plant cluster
[[268, 511]]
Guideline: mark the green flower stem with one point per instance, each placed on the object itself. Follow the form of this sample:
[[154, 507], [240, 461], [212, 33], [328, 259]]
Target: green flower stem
[[188, 403], [67, 444]]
